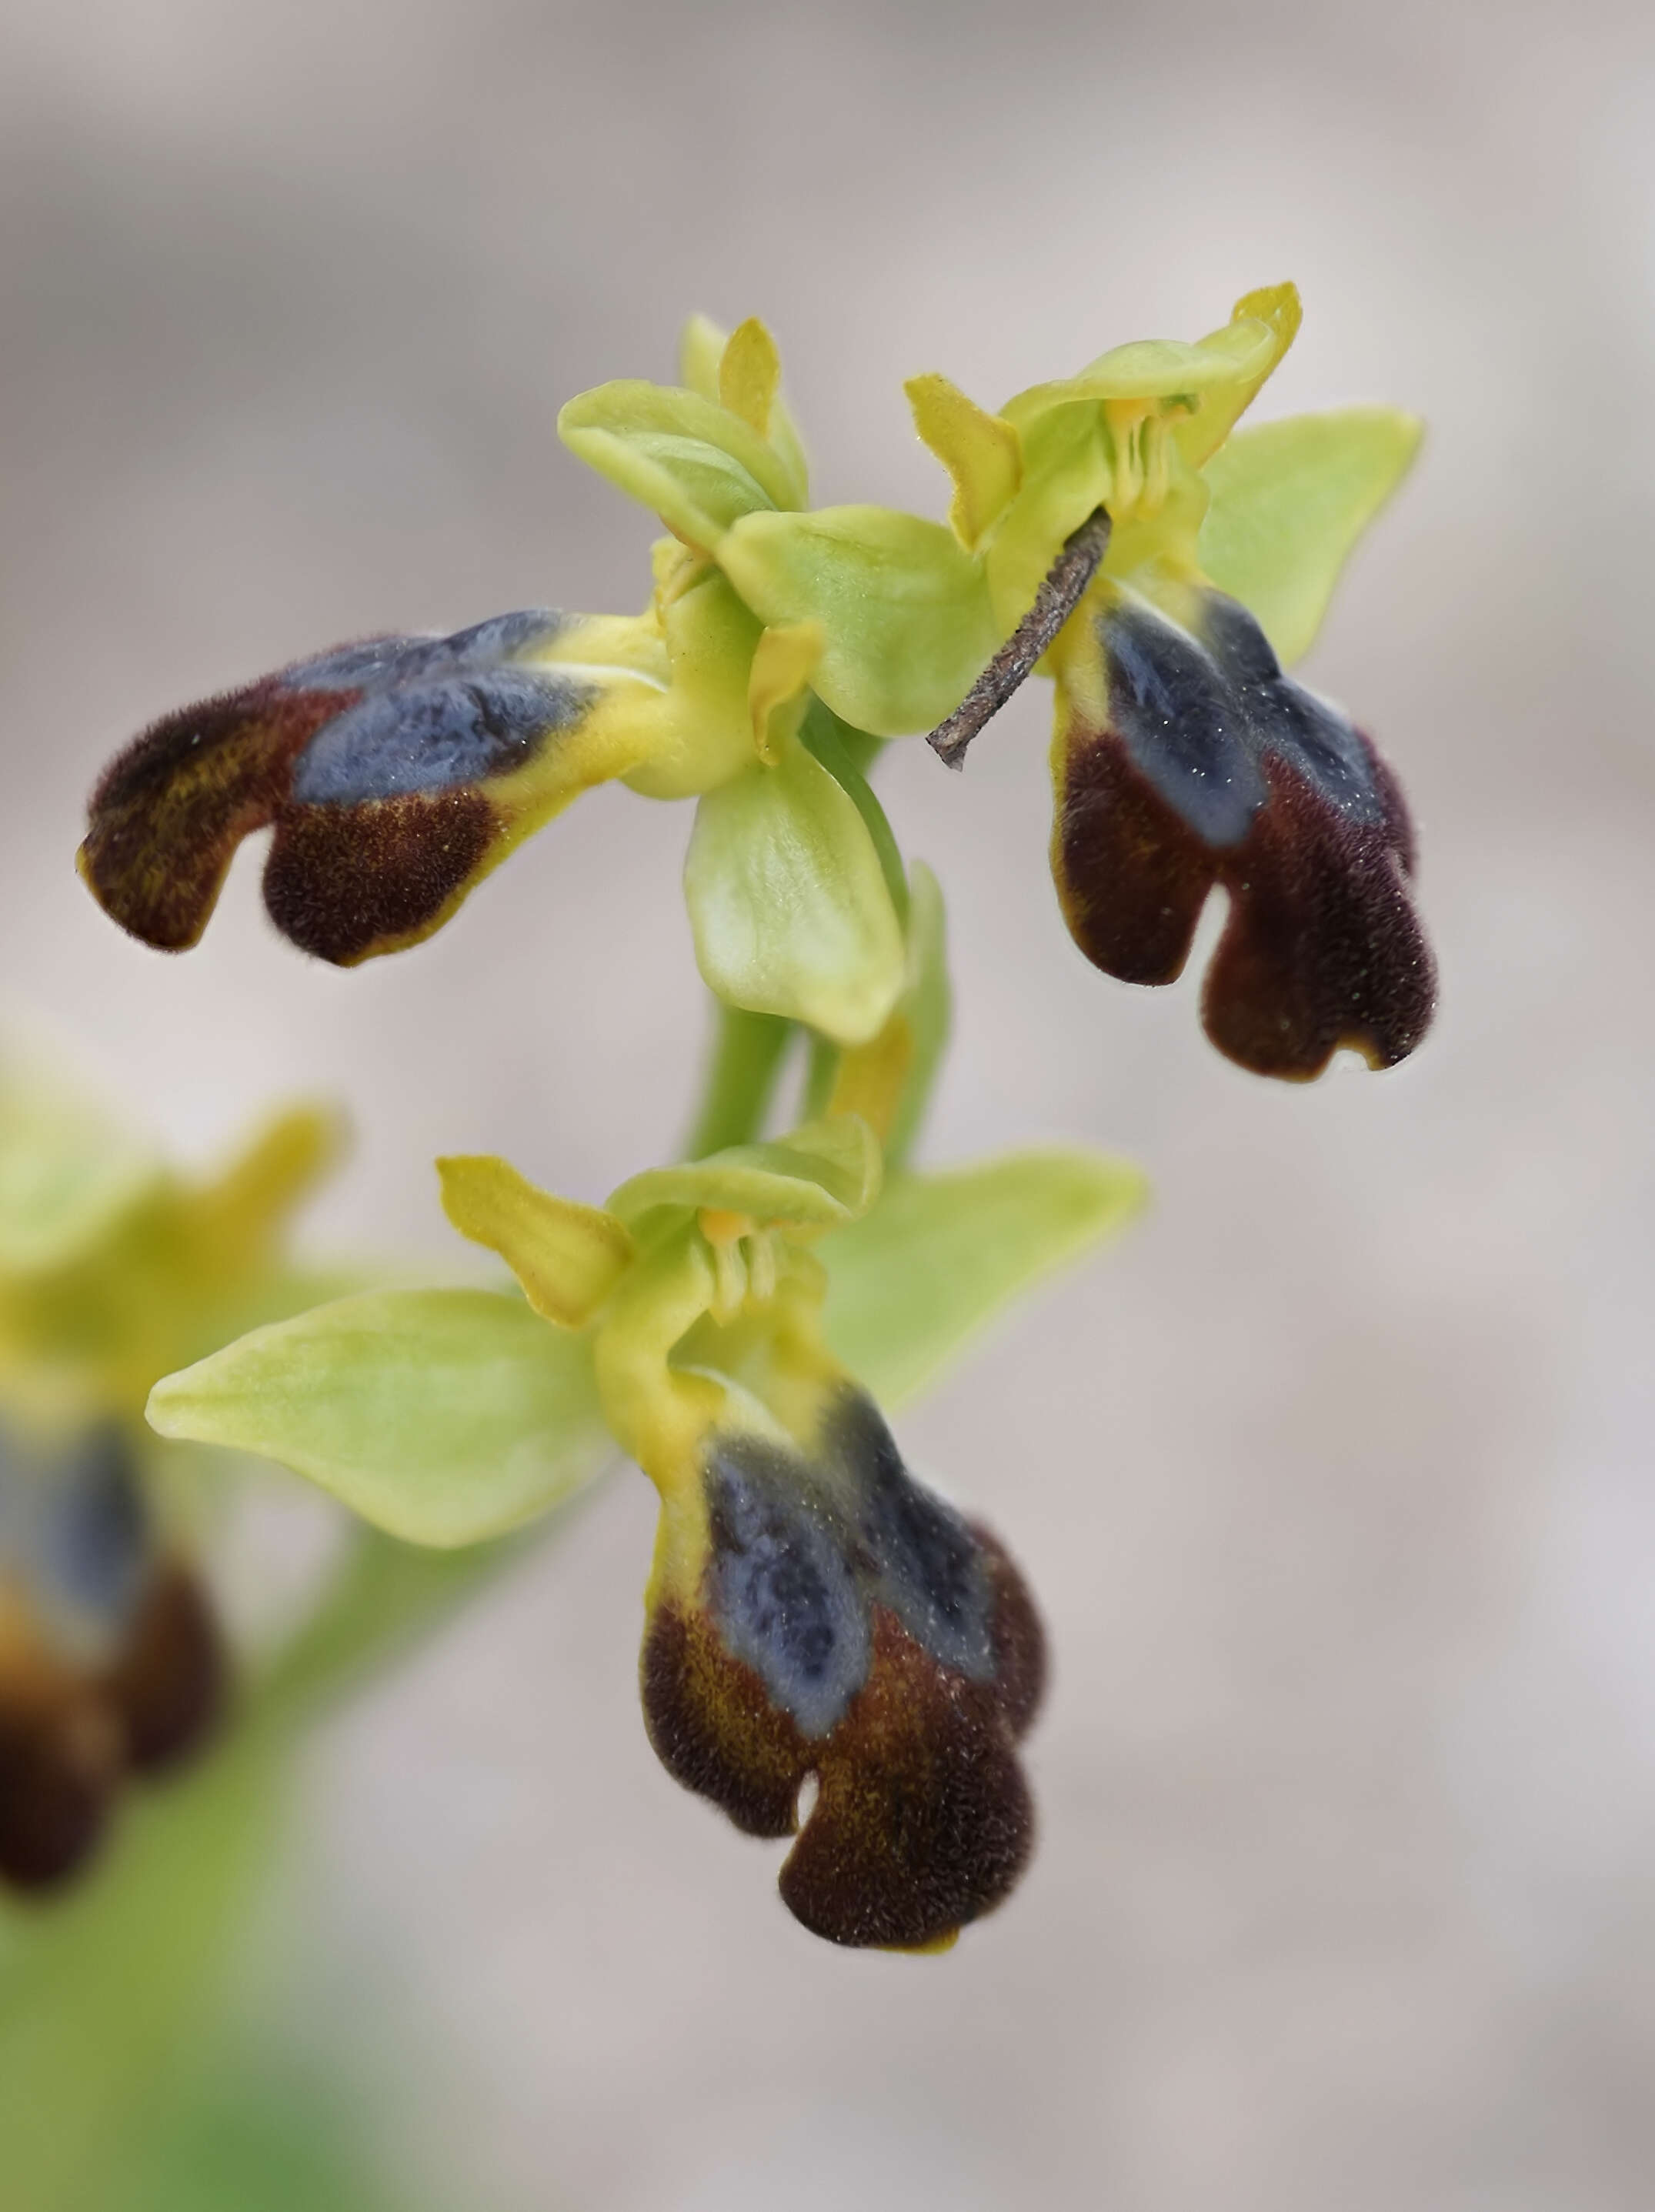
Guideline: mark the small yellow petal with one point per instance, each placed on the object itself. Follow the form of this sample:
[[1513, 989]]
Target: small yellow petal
[[981, 451], [785, 660], [567, 1256], [749, 374]]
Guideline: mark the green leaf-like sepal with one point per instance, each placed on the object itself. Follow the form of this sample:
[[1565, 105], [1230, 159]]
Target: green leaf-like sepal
[[938, 1256], [699, 466], [905, 612], [1289, 501], [443, 1417], [788, 901], [818, 1176]]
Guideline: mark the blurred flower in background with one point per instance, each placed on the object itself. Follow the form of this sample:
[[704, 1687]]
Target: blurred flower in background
[[115, 1670], [112, 1665]]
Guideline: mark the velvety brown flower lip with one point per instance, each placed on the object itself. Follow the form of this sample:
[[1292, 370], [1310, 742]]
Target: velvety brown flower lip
[[1214, 768], [851, 1626], [112, 1663], [374, 763], [169, 1680], [59, 1773]]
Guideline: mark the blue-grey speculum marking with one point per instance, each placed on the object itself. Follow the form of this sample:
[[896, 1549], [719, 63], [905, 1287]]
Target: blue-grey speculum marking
[[803, 1548], [1199, 714]]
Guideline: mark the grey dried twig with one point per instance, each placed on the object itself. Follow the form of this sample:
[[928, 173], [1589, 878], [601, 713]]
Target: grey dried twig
[[1054, 602]]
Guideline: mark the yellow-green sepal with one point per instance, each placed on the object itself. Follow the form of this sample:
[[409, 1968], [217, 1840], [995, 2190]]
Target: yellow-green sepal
[[820, 1176], [1289, 501], [567, 1256], [788, 903], [735, 369], [914, 1280], [1202, 386], [699, 466], [442, 1416], [904, 609], [1156, 369]]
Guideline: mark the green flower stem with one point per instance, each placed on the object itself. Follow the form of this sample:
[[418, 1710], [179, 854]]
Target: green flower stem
[[861, 747], [748, 1050]]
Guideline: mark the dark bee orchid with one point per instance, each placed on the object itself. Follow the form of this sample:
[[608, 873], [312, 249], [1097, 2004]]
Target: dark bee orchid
[[815, 1612], [112, 1667], [110, 1661], [818, 1613]]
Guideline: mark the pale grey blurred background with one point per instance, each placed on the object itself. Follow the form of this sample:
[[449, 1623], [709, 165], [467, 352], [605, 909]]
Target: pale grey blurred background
[[1337, 1478]]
